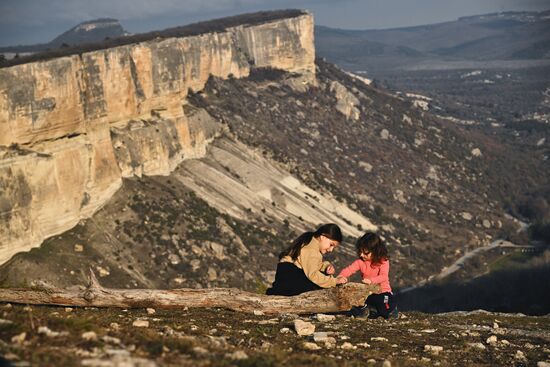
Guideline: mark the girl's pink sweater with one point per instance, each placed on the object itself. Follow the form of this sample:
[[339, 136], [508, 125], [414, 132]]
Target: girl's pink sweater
[[378, 274]]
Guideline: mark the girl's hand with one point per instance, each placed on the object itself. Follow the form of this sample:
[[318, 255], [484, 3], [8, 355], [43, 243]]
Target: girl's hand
[[341, 280], [330, 270], [367, 281]]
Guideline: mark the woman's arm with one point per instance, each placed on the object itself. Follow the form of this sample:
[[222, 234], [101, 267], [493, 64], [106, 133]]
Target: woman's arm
[[311, 264]]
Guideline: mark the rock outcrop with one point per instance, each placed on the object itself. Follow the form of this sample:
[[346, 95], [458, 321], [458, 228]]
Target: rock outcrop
[[72, 127]]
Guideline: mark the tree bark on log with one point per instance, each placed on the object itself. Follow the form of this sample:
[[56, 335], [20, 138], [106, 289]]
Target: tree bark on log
[[336, 299]]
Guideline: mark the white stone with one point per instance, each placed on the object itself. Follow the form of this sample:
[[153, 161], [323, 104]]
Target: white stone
[[89, 336], [102, 271], [476, 152], [520, 356], [284, 330], [151, 311], [434, 349], [19, 339], [303, 327], [479, 346], [348, 346], [320, 336], [495, 325], [49, 333], [543, 364], [212, 274], [486, 223], [258, 313], [366, 166], [310, 346], [141, 323], [78, 248], [238, 355], [466, 216], [378, 339], [384, 134], [386, 363], [325, 318], [492, 340]]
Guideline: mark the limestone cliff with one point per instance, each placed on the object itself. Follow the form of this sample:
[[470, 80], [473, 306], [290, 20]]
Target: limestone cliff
[[72, 127]]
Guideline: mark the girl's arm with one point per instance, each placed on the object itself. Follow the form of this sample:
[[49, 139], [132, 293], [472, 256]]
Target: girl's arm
[[351, 269], [383, 274]]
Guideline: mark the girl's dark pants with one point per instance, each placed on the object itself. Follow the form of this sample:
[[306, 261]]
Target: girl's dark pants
[[383, 302], [290, 280]]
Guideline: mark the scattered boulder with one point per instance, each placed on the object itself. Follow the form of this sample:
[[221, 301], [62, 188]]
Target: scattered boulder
[[476, 152], [303, 328], [238, 355], [348, 346], [325, 318], [434, 349], [492, 340], [89, 336], [310, 346], [140, 323]]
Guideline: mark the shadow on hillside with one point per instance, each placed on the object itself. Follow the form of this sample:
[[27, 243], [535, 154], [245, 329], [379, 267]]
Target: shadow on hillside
[[520, 290]]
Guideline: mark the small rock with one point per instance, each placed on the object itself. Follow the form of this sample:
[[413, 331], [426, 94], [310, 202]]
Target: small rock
[[78, 248], [49, 333], [384, 134], [371, 361], [303, 327], [466, 216], [102, 271], [238, 355], [487, 225], [543, 364], [200, 351], [378, 339], [258, 313], [320, 336], [140, 323], [364, 345], [504, 342], [348, 346], [325, 318], [114, 326], [492, 340], [89, 336], [151, 311], [520, 356], [68, 309], [19, 339], [479, 346], [110, 339], [434, 349], [495, 325], [284, 330], [428, 331], [386, 363], [310, 346], [476, 152]]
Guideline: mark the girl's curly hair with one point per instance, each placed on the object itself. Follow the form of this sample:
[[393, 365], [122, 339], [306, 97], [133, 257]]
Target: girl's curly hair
[[372, 243]]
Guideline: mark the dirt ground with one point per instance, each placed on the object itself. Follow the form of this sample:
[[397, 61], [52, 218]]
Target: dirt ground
[[58, 336]]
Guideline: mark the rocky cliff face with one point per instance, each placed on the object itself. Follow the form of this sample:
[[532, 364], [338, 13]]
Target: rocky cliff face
[[72, 127]]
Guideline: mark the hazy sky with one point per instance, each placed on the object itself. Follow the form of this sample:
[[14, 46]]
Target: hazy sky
[[39, 21]]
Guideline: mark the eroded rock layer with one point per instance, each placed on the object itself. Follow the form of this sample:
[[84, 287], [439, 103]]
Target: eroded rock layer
[[72, 127]]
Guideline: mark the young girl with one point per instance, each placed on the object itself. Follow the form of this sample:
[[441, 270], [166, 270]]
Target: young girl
[[375, 267], [301, 267]]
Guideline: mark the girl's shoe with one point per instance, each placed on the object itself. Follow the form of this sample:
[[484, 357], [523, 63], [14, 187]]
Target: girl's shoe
[[359, 312], [394, 314]]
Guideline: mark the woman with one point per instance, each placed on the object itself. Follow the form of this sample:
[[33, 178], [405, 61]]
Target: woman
[[301, 267]]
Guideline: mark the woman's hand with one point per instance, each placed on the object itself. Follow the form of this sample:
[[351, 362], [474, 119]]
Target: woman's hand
[[366, 281], [341, 280], [330, 270]]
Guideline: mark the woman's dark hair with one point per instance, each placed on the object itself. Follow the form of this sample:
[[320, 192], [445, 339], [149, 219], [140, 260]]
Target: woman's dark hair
[[371, 242], [329, 230]]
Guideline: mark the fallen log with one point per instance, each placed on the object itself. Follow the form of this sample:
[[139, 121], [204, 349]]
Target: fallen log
[[336, 299]]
